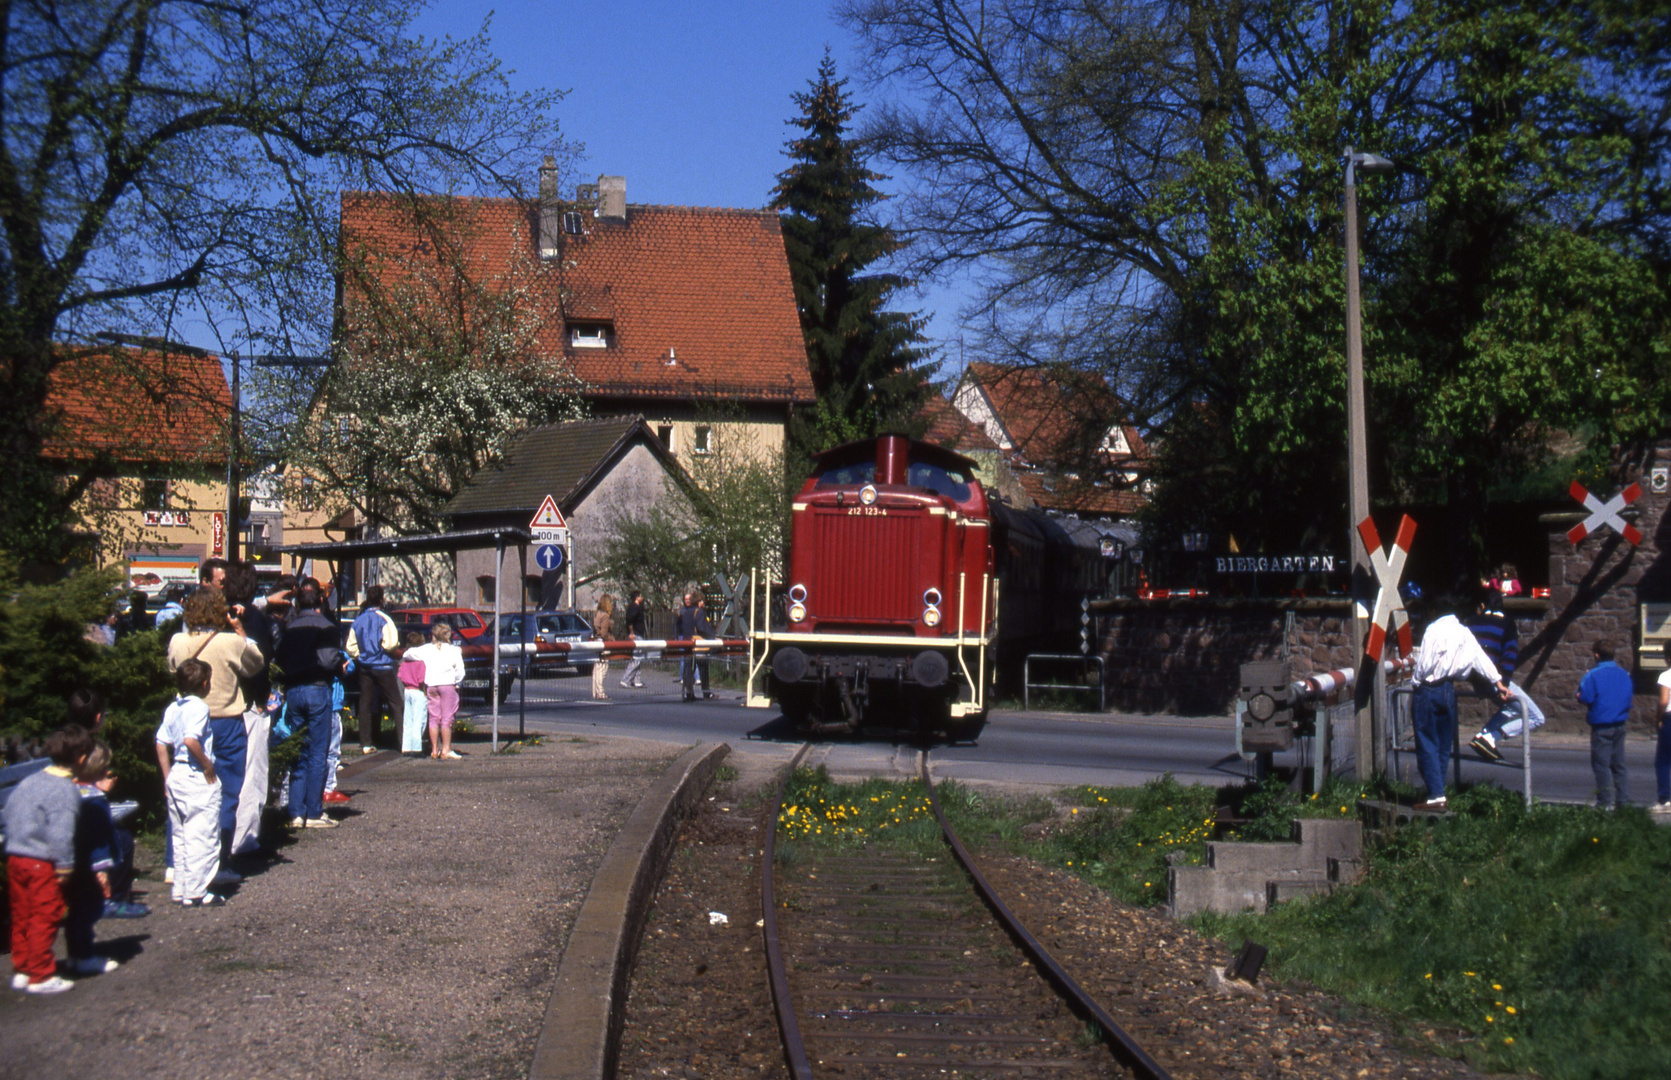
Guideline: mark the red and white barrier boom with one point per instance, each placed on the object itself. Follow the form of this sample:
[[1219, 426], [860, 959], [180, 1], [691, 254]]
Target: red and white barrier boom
[[639, 649], [1314, 686], [1604, 513], [1389, 616]]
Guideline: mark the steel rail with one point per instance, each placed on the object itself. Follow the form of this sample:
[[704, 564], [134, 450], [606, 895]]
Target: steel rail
[[794, 1048], [1123, 1045]]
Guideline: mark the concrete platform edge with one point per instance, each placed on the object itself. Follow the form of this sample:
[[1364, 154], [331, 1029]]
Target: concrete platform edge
[[580, 1038]]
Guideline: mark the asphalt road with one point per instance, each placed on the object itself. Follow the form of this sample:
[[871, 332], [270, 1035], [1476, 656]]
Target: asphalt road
[[1032, 749]]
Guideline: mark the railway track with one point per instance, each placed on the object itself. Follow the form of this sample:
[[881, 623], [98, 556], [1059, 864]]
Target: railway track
[[884, 962]]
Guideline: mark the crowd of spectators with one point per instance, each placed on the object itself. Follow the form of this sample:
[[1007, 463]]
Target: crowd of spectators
[[243, 666]]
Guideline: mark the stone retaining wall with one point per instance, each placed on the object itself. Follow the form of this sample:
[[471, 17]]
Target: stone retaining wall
[[1183, 656]]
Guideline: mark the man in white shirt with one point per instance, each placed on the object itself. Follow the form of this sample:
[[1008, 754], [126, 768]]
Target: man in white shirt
[[1448, 651]]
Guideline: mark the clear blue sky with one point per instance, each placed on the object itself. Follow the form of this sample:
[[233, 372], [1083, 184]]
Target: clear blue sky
[[688, 101]]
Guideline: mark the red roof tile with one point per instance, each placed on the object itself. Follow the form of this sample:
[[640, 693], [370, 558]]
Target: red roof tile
[[1056, 419], [1076, 496], [698, 301], [139, 407], [949, 428]]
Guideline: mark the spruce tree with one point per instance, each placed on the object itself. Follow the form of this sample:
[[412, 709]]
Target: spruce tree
[[869, 365]]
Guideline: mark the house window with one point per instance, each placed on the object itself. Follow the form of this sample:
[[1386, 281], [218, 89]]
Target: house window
[[153, 495], [531, 589], [305, 497], [486, 589], [589, 335], [664, 432], [702, 443]]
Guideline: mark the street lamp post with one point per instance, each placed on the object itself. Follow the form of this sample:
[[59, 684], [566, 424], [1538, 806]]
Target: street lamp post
[[1369, 693]]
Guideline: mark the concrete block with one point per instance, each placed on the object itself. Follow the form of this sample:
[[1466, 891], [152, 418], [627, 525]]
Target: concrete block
[[1346, 871], [1278, 891], [1325, 838], [1261, 858]]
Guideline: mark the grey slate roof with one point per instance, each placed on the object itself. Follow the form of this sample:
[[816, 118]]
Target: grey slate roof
[[560, 460]]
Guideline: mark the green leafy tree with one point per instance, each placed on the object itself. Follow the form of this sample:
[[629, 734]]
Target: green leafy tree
[[1153, 191], [171, 160], [726, 515], [868, 364], [45, 655]]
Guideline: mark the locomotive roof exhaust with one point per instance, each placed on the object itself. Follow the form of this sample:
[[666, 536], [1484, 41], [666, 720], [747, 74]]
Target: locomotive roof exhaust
[[892, 458]]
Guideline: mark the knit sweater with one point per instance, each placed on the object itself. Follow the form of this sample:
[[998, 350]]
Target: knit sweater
[[230, 657], [41, 817]]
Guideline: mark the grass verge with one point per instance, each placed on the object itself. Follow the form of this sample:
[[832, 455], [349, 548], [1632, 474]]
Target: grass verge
[[1539, 940]]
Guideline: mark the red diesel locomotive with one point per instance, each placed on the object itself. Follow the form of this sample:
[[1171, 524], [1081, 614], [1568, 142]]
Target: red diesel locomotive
[[907, 587]]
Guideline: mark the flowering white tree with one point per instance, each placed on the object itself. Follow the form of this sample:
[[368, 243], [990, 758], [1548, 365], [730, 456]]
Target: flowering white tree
[[439, 367]]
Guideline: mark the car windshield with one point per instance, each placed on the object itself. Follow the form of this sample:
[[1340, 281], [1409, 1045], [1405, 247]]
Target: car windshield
[[952, 483]]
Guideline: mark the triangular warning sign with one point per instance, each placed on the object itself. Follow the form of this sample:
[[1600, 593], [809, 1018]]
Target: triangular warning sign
[[549, 517]]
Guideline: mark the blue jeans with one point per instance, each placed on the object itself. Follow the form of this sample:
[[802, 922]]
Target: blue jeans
[[1607, 761], [231, 741], [1662, 759], [1434, 718], [310, 705]]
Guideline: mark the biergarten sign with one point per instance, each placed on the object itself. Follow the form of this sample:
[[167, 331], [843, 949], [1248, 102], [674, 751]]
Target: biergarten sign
[[1277, 564]]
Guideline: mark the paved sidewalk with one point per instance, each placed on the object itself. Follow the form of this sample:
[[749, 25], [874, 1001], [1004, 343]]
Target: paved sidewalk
[[418, 940]]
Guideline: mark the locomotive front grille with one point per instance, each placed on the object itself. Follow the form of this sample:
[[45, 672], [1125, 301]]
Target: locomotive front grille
[[867, 565]]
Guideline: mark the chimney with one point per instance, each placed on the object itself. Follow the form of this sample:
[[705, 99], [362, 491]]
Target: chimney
[[612, 198], [550, 210]]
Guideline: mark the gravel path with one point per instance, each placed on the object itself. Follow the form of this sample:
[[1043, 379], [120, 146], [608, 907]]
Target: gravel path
[[418, 940]]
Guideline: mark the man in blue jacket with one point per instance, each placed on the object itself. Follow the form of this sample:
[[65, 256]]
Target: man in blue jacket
[[1606, 691], [371, 643]]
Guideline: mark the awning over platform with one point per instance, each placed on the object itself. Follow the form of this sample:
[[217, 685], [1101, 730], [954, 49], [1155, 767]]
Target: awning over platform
[[423, 544]]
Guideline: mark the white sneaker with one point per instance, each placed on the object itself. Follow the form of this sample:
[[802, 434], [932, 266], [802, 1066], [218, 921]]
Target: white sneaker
[[1660, 808], [322, 822], [19, 981], [298, 822], [94, 965], [51, 985]]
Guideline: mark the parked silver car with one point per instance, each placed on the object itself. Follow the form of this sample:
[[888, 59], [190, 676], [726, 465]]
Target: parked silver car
[[550, 627]]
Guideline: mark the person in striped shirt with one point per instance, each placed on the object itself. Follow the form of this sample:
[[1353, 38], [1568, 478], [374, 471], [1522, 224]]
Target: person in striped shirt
[[1496, 633]]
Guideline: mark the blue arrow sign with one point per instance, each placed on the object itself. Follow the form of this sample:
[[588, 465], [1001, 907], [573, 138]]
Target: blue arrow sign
[[549, 556]]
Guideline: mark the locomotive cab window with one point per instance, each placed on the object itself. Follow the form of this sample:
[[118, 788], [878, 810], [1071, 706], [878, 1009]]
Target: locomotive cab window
[[952, 483], [858, 472]]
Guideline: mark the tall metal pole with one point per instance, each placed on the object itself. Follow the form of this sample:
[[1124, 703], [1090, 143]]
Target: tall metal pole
[[1368, 694]]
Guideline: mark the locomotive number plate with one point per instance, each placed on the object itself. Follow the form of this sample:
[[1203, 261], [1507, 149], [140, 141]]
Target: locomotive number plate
[[867, 511]]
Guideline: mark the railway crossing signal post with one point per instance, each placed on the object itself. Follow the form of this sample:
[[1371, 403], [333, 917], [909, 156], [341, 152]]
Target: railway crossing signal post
[[1370, 694]]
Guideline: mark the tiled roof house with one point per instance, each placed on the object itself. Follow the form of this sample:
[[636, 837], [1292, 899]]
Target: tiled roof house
[[683, 314], [1063, 434], [160, 423]]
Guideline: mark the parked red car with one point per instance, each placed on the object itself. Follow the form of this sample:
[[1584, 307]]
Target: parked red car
[[467, 625]]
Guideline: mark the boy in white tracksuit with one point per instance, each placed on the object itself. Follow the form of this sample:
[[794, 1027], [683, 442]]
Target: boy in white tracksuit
[[185, 747]]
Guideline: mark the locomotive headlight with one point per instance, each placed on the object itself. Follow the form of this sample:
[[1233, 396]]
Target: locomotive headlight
[[797, 593], [931, 617], [931, 597], [867, 494], [797, 613]]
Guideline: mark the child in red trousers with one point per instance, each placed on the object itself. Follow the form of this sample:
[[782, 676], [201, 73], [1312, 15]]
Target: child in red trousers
[[40, 856]]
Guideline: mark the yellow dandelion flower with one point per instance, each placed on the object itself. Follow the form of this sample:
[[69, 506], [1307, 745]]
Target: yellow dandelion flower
[[1470, 974], [1429, 975], [1510, 1010], [1508, 1040], [1490, 1019], [1496, 986]]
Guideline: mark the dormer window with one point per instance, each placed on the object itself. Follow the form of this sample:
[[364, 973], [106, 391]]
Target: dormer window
[[589, 335]]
